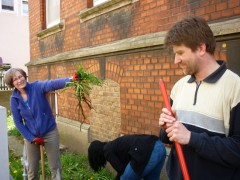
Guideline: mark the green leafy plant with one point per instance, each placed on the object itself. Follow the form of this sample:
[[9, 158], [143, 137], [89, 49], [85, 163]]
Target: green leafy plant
[[83, 82], [15, 166], [78, 167], [12, 130]]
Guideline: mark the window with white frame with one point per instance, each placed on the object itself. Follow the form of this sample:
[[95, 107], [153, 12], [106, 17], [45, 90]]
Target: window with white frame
[[52, 12], [97, 2], [9, 6], [25, 7]]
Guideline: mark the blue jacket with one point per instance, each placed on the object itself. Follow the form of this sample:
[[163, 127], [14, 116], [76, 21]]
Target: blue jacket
[[36, 119]]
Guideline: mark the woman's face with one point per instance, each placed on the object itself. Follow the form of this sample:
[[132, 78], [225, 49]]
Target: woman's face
[[19, 81]]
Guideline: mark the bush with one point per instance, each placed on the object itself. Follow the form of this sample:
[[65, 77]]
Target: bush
[[15, 166], [12, 130]]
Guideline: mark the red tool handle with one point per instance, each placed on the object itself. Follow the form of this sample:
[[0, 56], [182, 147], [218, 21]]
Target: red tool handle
[[181, 158]]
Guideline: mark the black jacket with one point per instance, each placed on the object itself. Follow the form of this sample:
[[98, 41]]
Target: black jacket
[[135, 149]]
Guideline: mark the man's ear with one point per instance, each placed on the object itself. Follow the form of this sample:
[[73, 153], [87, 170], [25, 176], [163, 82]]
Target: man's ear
[[202, 48]]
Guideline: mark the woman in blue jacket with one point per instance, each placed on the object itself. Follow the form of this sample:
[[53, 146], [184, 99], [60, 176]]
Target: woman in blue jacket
[[34, 119]]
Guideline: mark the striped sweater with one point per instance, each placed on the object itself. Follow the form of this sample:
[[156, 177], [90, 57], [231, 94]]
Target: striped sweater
[[211, 111]]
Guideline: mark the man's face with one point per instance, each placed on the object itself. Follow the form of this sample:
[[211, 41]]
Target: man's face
[[186, 59]]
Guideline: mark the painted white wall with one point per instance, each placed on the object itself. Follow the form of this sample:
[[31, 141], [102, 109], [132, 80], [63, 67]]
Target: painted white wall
[[14, 37], [4, 157]]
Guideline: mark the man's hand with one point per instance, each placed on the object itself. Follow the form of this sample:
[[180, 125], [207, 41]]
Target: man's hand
[[175, 130], [38, 141], [166, 118]]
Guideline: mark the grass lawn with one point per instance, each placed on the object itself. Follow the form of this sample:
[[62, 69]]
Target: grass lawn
[[74, 166]]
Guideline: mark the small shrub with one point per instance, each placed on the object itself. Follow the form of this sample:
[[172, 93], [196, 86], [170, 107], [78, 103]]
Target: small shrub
[[15, 166], [76, 166], [12, 130]]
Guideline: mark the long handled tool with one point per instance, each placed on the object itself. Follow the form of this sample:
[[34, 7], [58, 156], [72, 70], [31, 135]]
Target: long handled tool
[[24, 161], [181, 157], [42, 162]]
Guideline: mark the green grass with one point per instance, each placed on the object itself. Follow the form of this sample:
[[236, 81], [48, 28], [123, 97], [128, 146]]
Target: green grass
[[15, 166], [12, 130], [74, 166]]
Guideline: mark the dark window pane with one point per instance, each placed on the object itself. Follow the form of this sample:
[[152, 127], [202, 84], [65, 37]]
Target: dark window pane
[[9, 8]]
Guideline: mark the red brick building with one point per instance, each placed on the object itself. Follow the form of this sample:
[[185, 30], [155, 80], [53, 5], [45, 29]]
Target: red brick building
[[120, 41]]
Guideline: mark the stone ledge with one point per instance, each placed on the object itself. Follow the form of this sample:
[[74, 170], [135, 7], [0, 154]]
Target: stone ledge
[[52, 30], [74, 138], [74, 124], [226, 27], [113, 47], [103, 8]]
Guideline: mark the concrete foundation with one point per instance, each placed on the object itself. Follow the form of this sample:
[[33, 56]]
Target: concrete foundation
[[73, 135]]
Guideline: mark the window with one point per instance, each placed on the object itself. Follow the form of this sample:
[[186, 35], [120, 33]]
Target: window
[[52, 12], [233, 55], [52, 99], [9, 6], [50, 18], [97, 2], [25, 7]]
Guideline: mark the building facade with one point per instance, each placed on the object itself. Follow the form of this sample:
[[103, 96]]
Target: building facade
[[120, 41], [14, 41], [14, 33]]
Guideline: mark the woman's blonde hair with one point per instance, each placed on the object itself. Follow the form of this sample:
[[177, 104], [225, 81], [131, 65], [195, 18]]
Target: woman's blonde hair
[[8, 78]]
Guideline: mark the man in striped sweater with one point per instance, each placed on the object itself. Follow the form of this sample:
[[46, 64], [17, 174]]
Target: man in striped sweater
[[206, 103]]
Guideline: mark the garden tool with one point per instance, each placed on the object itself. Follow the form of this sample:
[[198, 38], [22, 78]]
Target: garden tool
[[24, 162], [42, 162], [58, 176], [180, 154]]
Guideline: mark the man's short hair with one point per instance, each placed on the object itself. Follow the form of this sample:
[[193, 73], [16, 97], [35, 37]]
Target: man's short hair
[[191, 32]]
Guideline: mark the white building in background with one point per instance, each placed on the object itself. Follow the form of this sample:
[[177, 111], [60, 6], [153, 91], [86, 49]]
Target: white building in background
[[14, 33], [97, 2]]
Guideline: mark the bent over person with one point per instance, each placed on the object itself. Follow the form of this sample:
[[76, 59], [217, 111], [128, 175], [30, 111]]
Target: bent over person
[[134, 157], [34, 119], [206, 103]]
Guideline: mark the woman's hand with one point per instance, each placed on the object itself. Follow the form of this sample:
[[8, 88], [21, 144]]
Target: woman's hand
[[38, 141], [75, 76]]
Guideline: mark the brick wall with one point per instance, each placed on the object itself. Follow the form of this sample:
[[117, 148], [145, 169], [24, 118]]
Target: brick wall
[[106, 116], [139, 18], [136, 71]]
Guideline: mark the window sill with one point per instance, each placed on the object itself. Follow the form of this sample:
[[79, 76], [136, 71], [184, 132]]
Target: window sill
[[52, 30], [103, 8], [8, 11]]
